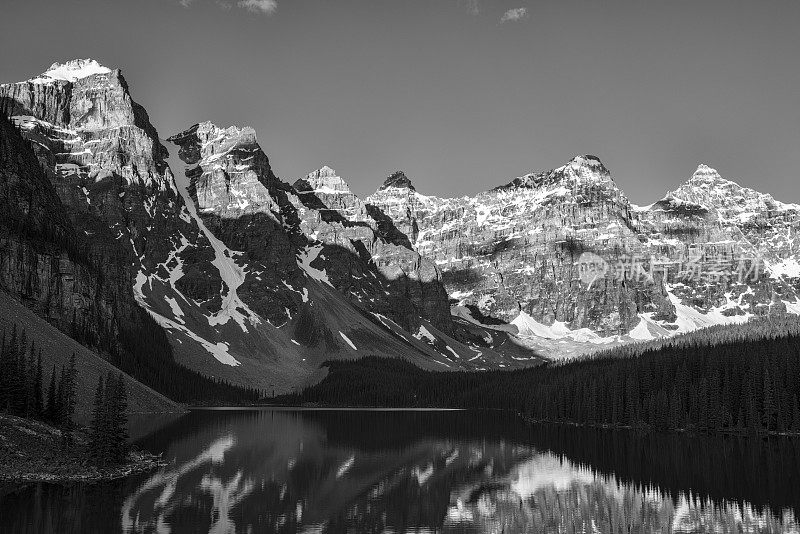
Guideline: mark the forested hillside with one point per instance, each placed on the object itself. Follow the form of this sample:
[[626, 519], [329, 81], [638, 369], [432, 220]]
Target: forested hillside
[[742, 385]]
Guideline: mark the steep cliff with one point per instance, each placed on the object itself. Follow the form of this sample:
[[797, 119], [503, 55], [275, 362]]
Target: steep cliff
[[102, 155], [54, 270], [42, 260], [335, 216]]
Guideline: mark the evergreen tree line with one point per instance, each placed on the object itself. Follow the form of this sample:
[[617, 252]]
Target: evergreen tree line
[[22, 381], [741, 386], [22, 393]]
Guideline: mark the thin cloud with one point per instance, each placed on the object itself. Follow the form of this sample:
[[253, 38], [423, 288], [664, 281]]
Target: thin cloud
[[473, 7], [185, 3], [514, 15], [263, 7]]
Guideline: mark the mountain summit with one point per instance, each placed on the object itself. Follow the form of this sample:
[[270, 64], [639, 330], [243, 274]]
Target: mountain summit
[[71, 71], [323, 180], [397, 180]]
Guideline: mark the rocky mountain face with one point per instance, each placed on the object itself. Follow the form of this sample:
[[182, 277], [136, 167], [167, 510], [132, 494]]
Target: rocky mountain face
[[515, 249], [42, 260], [259, 281], [563, 255], [333, 215], [253, 280], [272, 224], [304, 261], [98, 150]]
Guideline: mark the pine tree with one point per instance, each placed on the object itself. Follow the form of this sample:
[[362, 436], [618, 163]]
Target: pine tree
[[795, 415], [769, 402], [109, 442], [52, 399], [99, 433], [4, 373], [677, 419], [18, 403], [10, 372], [119, 421], [60, 394], [37, 388], [67, 392], [30, 378]]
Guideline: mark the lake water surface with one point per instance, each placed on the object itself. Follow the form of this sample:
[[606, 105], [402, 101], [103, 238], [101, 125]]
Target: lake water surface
[[286, 470]]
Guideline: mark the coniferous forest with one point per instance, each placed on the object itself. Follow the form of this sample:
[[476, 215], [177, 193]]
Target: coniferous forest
[[24, 389], [26, 392], [30, 391], [737, 386]]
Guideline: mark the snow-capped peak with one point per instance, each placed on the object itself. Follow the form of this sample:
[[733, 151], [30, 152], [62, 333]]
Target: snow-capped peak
[[707, 187], [585, 168], [705, 169], [72, 71], [581, 169], [585, 165]]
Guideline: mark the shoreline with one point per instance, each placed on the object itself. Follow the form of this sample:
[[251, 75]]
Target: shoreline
[[525, 419], [32, 451], [139, 462]]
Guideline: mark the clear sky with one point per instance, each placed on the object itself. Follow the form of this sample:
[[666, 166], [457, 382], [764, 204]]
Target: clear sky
[[462, 95]]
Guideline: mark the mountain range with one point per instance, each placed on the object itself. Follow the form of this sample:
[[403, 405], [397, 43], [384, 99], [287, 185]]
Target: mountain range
[[258, 281]]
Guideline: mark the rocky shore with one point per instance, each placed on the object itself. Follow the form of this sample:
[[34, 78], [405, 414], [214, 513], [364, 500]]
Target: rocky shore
[[32, 451]]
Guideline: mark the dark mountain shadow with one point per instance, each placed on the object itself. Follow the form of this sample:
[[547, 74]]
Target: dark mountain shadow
[[387, 228]]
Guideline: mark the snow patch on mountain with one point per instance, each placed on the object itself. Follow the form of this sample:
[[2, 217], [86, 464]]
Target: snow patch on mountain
[[528, 326], [788, 267], [690, 318], [347, 340], [304, 260], [219, 350], [232, 274], [641, 332], [424, 334], [177, 312], [453, 352], [71, 71]]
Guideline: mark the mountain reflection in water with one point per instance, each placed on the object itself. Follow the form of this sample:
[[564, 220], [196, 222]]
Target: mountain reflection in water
[[366, 471]]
